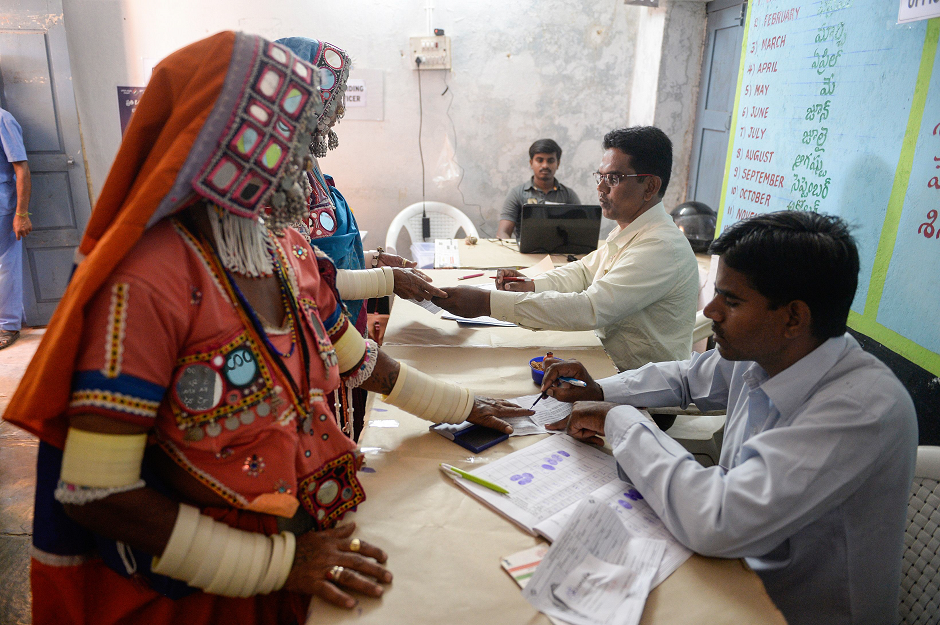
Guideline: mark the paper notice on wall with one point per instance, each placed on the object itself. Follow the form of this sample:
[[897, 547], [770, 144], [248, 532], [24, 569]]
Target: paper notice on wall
[[355, 93], [128, 97], [913, 10]]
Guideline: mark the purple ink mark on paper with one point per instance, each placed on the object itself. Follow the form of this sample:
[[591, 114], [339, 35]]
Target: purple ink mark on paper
[[380, 410], [633, 494], [367, 470], [548, 466], [565, 454], [624, 504], [523, 479]]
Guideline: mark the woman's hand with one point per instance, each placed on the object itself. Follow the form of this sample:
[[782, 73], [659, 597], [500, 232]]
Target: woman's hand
[[391, 260], [413, 284], [330, 565], [488, 412]]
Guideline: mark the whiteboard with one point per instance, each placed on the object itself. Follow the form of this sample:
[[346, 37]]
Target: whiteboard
[[837, 112]]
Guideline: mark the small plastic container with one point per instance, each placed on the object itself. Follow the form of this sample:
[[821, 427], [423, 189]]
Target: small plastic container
[[537, 374]]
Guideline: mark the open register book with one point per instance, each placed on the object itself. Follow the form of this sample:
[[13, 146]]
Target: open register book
[[547, 480]]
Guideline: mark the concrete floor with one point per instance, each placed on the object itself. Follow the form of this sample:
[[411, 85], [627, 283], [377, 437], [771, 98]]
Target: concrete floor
[[17, 484]]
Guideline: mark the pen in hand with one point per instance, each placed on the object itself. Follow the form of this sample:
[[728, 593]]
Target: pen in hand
[[513, 279], [571, 381]]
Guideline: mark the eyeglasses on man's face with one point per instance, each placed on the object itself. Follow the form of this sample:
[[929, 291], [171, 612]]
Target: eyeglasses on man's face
[[614, 178]]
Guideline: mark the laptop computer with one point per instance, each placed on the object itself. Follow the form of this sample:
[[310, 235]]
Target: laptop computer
[[559, 228]]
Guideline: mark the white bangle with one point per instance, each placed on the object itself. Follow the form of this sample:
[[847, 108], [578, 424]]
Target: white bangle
[[430, 399], [223, 560], [349, 348], [101, 460], [355, 284]]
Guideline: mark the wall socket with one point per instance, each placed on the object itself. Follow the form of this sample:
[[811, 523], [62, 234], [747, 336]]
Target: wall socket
[[434, 52]]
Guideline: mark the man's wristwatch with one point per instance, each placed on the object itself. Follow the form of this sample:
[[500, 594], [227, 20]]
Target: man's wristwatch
[[375, 257]]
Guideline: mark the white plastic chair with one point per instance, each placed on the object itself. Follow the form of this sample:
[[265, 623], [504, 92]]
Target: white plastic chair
[[701, 433], [920, 566], [446, 221]]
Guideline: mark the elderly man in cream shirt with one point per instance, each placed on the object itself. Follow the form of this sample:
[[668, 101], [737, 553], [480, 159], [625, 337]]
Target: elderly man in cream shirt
[[638, 291]]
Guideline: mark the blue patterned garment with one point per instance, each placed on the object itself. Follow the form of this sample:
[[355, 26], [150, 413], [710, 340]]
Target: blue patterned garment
[[331, 225]]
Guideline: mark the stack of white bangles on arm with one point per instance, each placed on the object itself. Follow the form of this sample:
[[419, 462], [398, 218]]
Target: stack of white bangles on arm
[[201, 551], [430, 399], [222, 560], [355, 284]]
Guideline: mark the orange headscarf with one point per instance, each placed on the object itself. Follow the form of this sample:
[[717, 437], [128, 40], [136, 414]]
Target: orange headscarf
[[184, 130]]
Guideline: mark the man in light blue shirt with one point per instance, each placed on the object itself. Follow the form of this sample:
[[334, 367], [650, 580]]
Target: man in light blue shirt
[[15, 188], [821, 437]]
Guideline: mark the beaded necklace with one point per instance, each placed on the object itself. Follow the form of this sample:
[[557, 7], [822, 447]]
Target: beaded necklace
[[286, 300], [247, 313], [290, 303]]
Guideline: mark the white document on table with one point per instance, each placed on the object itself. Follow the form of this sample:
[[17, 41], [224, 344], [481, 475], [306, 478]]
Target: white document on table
[[543, 479], [427, 305], [480, 321], [638, 518], [548, 410], [596, 573], [543, 496]]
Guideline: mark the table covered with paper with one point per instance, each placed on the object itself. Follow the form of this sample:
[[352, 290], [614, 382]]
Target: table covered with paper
[[490, 253], [413, 324], [447, 548]]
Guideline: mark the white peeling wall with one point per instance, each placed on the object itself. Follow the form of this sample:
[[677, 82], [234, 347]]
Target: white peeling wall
[[680, 73], [522, 70]]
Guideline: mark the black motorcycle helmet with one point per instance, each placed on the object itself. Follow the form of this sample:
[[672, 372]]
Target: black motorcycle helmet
[[697, 221]]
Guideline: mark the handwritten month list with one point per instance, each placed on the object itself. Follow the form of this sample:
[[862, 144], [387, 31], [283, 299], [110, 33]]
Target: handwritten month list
[[821, 122]]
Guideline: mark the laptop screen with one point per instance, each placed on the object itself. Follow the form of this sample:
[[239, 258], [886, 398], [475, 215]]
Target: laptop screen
[[559, 228]]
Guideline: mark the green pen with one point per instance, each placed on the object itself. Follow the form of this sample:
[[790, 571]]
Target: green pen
[[454, 472]]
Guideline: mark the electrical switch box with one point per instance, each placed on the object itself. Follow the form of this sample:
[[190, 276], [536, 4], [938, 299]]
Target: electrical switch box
[[434, 52]]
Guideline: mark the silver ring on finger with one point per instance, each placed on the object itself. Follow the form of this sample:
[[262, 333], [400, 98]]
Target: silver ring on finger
[[335, 572]]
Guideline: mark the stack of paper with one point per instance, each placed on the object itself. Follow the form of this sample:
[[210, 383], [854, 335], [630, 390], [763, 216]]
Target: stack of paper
[[596, 573], [546, 482]]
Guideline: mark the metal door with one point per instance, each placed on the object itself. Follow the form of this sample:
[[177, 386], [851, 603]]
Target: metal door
[[724, 36], [36, 88]]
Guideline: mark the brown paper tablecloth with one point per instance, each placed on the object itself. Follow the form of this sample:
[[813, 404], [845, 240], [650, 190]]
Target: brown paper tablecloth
[[494, 253], [412, 325], [445, 547]]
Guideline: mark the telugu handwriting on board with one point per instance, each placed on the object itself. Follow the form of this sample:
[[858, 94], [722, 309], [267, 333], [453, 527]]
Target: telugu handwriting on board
[[836, 113], [821, 114]]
